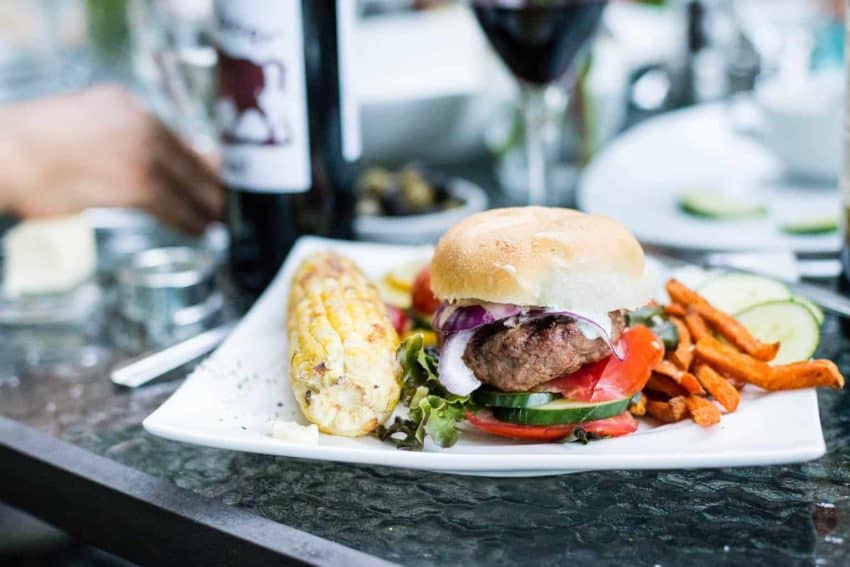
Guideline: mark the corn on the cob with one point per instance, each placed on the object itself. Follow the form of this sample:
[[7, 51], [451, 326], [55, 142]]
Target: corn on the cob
[[343, 369]]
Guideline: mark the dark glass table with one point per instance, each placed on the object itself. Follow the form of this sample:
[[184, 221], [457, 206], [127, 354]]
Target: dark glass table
[[73, 451]]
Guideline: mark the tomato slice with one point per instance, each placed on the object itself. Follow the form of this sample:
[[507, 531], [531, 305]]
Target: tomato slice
[[579, 385], [398, 318], [606, 380], [423, 300], [617, 426], [484, 420], [612, 378]]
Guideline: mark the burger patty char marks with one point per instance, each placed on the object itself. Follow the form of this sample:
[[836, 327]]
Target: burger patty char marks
[[518, 358]]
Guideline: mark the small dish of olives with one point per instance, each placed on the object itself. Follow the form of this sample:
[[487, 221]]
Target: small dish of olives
[[412, 205]]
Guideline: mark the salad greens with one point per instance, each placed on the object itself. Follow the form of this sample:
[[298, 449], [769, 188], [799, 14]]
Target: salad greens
[[433, 410], [653, 317]]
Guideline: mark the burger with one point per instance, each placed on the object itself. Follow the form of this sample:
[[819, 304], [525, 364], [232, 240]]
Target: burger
[[533, 322]]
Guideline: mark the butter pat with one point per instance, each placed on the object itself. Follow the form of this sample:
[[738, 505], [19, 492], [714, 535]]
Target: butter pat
[[48, 255], [292, 432]]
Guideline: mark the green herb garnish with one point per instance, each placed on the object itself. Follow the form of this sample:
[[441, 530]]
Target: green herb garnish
[[434, 411]]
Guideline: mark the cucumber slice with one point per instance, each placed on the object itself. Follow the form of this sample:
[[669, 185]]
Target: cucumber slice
[[562, 412], [717, 206], [507, 400], [735, 291], [813, 225], [811, 306], [789, 322]]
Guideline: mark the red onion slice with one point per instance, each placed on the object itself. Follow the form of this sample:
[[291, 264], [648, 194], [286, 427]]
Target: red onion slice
[[455, 318], [455, 375]]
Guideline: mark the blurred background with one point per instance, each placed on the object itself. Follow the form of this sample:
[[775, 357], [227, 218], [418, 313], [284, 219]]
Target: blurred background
[[705, 126], [431, 90]]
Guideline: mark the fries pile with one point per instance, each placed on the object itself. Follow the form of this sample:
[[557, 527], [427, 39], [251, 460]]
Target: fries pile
[[705, 373]]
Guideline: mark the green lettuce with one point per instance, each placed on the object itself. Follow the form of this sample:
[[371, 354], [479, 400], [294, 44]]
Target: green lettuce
[[433, 411], [653, 317]]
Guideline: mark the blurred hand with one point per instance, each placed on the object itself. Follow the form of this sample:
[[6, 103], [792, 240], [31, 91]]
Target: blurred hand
[[100, 148]]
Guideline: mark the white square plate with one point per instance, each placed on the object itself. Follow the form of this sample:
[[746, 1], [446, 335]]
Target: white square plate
[[231, 398]]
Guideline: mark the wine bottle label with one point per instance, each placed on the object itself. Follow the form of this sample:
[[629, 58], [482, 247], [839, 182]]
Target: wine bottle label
[[346, 16], [261, 106]]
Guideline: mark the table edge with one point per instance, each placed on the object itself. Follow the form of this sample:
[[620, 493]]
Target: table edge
[[143, 518]]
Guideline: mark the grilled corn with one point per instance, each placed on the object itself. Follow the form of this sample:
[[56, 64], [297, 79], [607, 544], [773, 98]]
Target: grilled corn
[[343, 369]]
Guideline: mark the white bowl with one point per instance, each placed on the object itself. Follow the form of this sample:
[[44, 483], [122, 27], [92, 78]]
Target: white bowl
[[421, 229], [802, 123], [428, 83]]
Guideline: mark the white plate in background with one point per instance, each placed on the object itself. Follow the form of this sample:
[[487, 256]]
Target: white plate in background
[[230, 399], [639, 176]]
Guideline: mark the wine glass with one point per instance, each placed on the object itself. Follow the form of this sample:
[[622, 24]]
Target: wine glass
[[538, 40]]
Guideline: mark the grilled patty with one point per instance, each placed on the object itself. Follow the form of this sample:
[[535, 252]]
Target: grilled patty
[[518, 358]]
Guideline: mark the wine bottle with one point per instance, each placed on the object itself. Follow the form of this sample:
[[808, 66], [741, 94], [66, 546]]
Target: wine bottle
[[288, 127]]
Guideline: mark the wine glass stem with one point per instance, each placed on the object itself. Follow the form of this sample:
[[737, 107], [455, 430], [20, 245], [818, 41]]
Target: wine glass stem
[[535, 118]]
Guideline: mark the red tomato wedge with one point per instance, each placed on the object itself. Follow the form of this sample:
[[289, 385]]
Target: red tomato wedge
[[622, 424], [485, 421], [580, 384], [422, 298], [618, 426], [398, 318], [612, 378]]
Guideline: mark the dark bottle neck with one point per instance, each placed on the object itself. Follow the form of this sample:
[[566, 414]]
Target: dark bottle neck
[[324, 101]]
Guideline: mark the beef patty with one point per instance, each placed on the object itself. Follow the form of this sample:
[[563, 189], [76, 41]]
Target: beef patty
[[518, 358]]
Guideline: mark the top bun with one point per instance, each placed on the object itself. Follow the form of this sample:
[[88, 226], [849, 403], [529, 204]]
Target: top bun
[[539, 256]]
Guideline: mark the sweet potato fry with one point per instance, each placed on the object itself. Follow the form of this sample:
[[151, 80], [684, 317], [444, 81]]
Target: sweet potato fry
[[805, 375], [723, 323], [719, 388], [682, 294], [728, 360], [683, 355], [685, 379], [668, 412], [638, 407], [736, 382], [703, 411], [667, 368], [664, 385], [675, 310], [691, 384], [736, 333], [696, 326]]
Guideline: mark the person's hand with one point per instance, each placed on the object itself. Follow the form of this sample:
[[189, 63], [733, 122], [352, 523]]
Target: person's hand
[[100, 148]]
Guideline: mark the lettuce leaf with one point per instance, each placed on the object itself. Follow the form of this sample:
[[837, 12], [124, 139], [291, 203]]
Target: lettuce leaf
[[433, 411], [653, 316]]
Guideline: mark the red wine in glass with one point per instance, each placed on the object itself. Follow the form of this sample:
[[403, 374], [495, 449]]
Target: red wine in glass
[[538, 40]]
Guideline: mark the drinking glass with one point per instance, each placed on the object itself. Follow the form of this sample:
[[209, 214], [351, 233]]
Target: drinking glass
[[174, 57], [538, 40]]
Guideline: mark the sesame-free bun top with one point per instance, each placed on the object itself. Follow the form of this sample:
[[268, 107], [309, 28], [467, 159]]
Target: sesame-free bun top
[[540, 256]]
